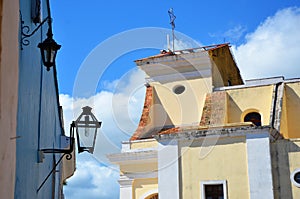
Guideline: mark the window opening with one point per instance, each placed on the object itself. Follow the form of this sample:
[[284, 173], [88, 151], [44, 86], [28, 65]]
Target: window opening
[[153, 196], [214, 191], [253, 117], [178, 89]]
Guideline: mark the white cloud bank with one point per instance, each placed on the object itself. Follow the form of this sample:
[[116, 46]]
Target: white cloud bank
[[271, 50], [119, 112], [92, 180]]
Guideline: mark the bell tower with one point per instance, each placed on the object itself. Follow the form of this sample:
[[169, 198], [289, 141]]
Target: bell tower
[[177, 83]]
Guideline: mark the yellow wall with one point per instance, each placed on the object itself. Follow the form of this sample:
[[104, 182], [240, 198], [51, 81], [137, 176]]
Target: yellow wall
[[224, 67], [185, 108], [149, 143], [243, 101], [285, 159], [290, 127], [143, 187], [283, 119], [138, 168], [219, 164]]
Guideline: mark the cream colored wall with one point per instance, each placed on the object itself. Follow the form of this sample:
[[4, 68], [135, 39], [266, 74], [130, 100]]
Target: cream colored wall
[[219, 164], [185, 108], [149, 143], [144, 187], [294, 157], [283, 117], [138, 168], [245, 100], [290, 111], [285, 159], [9, 94], [217, 77]]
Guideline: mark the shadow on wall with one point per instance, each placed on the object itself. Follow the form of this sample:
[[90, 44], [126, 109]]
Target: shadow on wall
[[293, 109], [285, 155], [234, 111]]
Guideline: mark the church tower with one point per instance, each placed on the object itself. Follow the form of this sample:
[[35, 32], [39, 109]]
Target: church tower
[[206, 133]]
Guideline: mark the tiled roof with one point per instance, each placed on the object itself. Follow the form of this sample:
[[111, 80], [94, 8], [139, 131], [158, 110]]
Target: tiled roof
[[145, 114], [213, 114], [184, 51], [214, 109]]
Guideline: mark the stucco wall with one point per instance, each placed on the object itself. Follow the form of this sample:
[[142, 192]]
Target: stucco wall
[[290, 111], [185, 108], [245, 100], [9, 19], [225, 69], [218, 164], [285, 159], [149, 143], [138, 168], [39, 124], [144, 187]]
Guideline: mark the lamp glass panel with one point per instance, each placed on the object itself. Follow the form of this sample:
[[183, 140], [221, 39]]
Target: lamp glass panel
[[52, 55], [86, 135]]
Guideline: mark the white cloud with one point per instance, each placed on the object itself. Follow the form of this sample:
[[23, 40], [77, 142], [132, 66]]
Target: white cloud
[[92, 180], [273, 48], [119, 111], [232, 35]]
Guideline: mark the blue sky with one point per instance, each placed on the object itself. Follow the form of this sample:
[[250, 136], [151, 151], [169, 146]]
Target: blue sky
[[80, 26], [264, 35]]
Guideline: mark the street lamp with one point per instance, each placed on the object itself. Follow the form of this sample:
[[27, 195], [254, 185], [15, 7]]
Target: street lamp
[[49, 50], [86, 130], [48, 47], [86, 127]]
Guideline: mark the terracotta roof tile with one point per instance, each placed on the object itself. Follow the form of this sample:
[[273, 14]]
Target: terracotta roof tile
[[145, 114], [190, 50], [214, 109]]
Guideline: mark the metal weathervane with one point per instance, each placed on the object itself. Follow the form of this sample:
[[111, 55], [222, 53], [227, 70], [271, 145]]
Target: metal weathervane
[[172, 22]]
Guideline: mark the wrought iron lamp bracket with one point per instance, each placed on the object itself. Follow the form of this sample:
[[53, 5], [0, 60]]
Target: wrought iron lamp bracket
[[64, 152], [67, 152], [25, 31]]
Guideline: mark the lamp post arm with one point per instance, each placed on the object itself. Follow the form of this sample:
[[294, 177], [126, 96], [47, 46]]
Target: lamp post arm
[[53, 169], [25, 31], [66, 152]]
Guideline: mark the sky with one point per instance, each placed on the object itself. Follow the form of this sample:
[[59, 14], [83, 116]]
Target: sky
[[101, 39]]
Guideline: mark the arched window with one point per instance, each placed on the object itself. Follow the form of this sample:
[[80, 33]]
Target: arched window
[[253, 117], [152, 196]]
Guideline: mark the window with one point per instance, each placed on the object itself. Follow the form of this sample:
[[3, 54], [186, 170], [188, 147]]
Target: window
[[153, 196], [295, 178], [36, 11], [214, 189], [178, 89], [253, 117]]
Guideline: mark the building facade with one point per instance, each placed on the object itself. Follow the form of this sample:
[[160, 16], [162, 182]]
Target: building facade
[[9, 68], [30, 113], [206, 133]]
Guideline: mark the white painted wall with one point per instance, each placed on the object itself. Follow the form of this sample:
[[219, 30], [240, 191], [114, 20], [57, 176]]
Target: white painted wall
[[259, 166], [168, 170]]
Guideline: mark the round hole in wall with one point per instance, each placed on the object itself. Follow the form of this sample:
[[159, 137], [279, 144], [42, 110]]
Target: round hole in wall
[[178, 89], [295, 178]]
